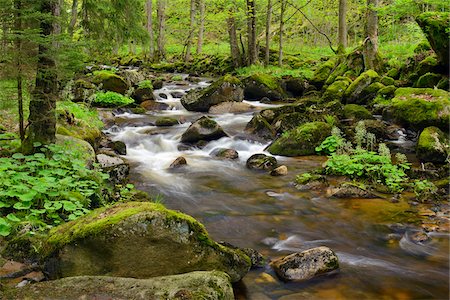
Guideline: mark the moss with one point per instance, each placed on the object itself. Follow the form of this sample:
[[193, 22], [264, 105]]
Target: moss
[[428, 80], [429, 64], [353, 92], [336, 90], [356, 112], [386, 80], [177, 78], [166, 121], [421, 107], [208, 123], [323, 71], [266, 79], [231, 79], [443, 84], [393, 73], [301, 141], [110, 81], [373, 88], [433, 145], [387, 91], [423, 46], [146, 84]]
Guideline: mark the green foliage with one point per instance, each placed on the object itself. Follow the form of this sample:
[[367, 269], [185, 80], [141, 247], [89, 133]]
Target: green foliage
[[275, 71], [146, 84], [45, 189], [424, 190], [112, 99], [81, 112], [330, 145], [177, 78], [303, 178]]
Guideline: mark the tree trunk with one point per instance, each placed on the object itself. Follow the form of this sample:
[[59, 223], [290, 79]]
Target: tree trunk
[[234, 47], [268, 21], [342, 26], [161, 12], [280, 46], [187, 55], [42, 119], [18, 44], [149, 26], [371, 58], [73, 17], [251, 32], [201, 28]]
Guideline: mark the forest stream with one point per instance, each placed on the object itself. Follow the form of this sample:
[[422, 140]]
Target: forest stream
[[247, 208]]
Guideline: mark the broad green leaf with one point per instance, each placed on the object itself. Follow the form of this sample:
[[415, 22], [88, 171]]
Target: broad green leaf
[[13, 218], [22, 205], [5, 228], [18, 156]]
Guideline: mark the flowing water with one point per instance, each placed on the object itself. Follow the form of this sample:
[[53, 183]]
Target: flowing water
[[253, 209]]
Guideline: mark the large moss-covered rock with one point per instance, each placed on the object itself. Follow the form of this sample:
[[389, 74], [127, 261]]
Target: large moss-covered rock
[[356, 112], [111, 82], [433, 145], [139, 240], [301, 141], [435, 25], [358, 92], [204, 129], [420, 108], [427, 65], [212, 285], [428, 80], [259, 127], [289, 121], [336, 90], [260, 85], [82, 90], [322, 73], [143, 92], [294, 86], [226, 89]]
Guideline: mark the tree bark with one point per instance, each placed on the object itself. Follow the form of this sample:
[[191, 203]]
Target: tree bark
[[201, 28], [268, 21], [234, 46], [251, 33], [280, 46], [18, 44], [149, 26], [342, 26], [193, 9], [161, 12], [42, 118], [371, 42], [73, 17]]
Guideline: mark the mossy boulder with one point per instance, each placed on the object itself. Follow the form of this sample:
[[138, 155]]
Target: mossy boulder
[[294, 86], [289, 121], [427, 65], [261, 161], [203, 129], [435, 25], [428, 80], [360, 90], [226, 89], [420, 108], [433, 146], [322, 73], [388, 91], [356, 112], [143, 92], [110, 82], [139, 240], [82, 90], [386, 80], [260, 127], [336, 90], [67, 124], [423, 46], [166, 122], [302, 140], [261, 85], [213, 285]]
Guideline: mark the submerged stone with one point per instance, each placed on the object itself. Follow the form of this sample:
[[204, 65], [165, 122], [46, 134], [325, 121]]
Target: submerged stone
[[139, 240], [261, 162], [205, 129]]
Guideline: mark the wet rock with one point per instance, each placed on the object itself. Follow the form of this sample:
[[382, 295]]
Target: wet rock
[[279, 171], [261, 162], [256, 258], [144, 93], [260, 85], [259, 127], [157, 84], [289, 121], [166, 122], [309, 181], [306, 265], [225, 153], [178, 163], [119, 147], [116, 167], [301, 141], [153, 105], [139, 240], [162, 95], [433, 146], [351, 191], [177, 95], [230, 107], [205, 129], [194, 285], [226, 89]]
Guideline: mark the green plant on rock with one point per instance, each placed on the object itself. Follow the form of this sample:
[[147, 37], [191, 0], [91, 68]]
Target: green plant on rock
[[424, 190], [45, 189], [111, 99]]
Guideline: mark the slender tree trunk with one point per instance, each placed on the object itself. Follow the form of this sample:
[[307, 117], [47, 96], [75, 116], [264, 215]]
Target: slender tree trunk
[[18, 42], [268, 21], [161, 12], [149, 26], [342, 26], [73, 17], [234, 47], [371, 41], [251, 32], [42, 119], [280, 46], [193, 9], [201, 28]]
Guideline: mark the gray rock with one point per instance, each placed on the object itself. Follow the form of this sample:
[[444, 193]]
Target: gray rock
[[230, 107], [116, 167], [351, 191], [279, 171], [205, 129], [194, 285], [225, 153], [306, 265], [261, 162]]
